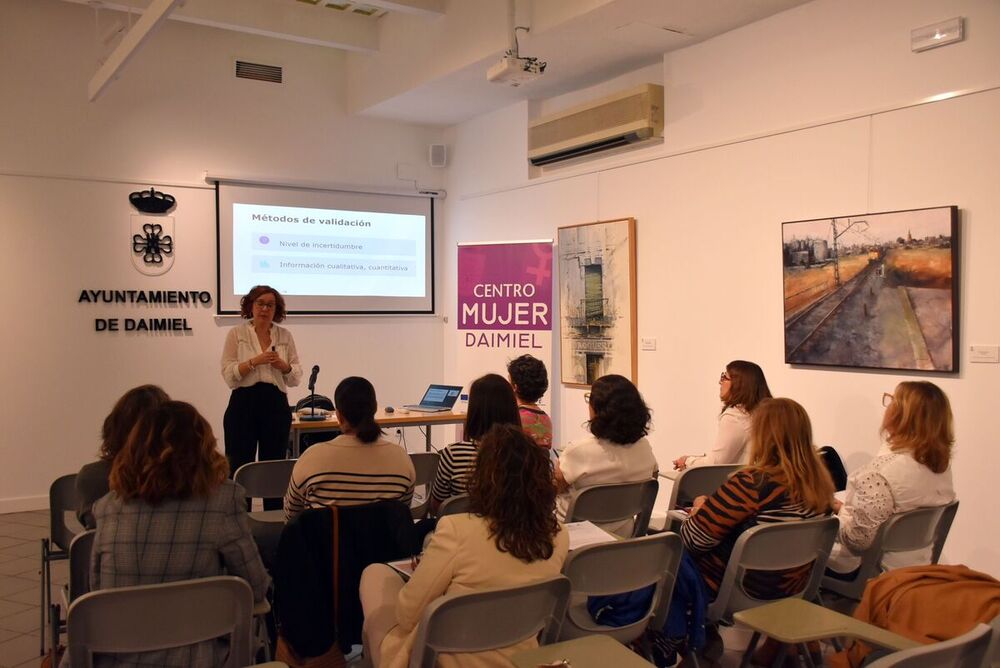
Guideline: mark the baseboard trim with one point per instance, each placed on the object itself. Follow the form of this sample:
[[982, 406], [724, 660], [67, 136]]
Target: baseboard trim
[[20, 504]]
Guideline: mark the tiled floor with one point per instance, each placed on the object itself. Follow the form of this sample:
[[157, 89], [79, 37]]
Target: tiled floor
[[20, 550]]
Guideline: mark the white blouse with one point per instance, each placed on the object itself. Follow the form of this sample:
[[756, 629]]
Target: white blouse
[[242, 344], [730, 443], [594, 461], [892, 483]]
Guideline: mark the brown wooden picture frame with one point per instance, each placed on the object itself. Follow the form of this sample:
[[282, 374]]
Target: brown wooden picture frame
[[597, 301]]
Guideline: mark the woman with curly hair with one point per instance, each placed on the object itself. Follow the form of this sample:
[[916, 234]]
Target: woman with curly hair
[[530, 380], [92, 480], [510, 538], [259, 364], [742, 387], [615, 451], [172, 515]]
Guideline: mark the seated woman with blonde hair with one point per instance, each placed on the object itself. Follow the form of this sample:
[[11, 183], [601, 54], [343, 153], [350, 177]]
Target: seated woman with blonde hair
[[911, 470], [510, 538], [172, 515]]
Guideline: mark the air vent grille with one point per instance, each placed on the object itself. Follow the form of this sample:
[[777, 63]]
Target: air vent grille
[[258, 72]]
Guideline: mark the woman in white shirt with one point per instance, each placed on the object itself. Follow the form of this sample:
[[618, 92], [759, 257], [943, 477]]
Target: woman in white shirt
[[259, 364], [741, 387], [911, 470], [615, 451]]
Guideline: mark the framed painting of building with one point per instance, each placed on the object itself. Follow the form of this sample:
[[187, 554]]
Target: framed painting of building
[[877, 290], [597, 307]]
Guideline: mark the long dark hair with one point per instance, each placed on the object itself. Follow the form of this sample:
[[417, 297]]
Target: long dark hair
[[511, 487], [170, 454], [620, 414], [355, 399], [128, 409], [491, 401], [749, 387]]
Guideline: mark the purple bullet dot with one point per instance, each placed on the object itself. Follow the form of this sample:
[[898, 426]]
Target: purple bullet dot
[[264, 240]]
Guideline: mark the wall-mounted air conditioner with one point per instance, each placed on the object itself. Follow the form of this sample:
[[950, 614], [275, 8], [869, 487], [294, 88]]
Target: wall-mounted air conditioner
[[625, 118]]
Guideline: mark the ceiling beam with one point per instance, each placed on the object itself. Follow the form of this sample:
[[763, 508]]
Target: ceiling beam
[[268, 18], [151, 19], [430, 9]]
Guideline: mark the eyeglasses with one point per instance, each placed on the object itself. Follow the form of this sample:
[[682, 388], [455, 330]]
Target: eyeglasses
[[586, 397], [723, 377], [887, 399], [264, 305]]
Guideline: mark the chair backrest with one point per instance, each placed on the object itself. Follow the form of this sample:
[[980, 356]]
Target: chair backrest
[[968, 650], [455, 505], [624, 566], [79, 564], [774, 547], [491, 619], [425, 465], [904, 532], [62, 499], [698, 480], [161, 616], [267, 479], [615, 502]]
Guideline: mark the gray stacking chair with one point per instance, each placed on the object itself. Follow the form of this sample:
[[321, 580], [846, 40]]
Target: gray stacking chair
[[773, 547], [969, 650], [162, 616], [79, 581], [491, 619], [425, 465], [694, 482], [615, 502], [905, 532], [266, 480], [617, 567], [456, 505], [62, 499]]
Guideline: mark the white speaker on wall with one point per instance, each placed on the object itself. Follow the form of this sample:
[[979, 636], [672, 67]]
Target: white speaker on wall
[[437, 155]]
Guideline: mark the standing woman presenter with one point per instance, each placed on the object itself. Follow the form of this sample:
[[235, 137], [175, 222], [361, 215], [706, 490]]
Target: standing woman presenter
[[259, 363]]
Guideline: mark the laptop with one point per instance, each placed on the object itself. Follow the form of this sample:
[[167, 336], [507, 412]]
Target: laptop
[[437, 399]]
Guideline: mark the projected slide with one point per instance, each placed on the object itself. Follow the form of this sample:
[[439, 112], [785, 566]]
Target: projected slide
[[329, 252]]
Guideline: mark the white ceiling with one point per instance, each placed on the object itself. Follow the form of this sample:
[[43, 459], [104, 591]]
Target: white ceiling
[[593, 41]]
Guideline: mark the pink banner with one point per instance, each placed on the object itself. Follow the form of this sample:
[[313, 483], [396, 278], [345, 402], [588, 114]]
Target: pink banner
[[505, 287]]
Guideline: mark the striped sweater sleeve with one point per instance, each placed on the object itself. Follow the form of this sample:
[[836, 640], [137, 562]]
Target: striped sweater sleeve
[[724, 511]]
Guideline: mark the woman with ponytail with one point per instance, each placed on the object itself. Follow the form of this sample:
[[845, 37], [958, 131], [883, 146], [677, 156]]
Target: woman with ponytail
[[357, 467], [172, 515]]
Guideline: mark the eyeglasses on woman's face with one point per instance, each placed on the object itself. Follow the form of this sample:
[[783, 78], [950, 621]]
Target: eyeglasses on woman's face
[[264, 306], [725, 377], [586, 397], [887, 399]]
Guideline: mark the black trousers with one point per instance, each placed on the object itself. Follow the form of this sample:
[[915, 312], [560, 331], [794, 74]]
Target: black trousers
[[257, 416]]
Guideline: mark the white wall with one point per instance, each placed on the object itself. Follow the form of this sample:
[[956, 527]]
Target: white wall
[[175, 112], [709, 268]]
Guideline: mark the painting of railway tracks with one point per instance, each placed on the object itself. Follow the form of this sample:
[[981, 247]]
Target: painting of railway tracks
[[878, 290], [597, 301]]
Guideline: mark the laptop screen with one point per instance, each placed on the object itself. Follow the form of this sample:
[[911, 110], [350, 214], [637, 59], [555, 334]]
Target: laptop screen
[[443, 396]]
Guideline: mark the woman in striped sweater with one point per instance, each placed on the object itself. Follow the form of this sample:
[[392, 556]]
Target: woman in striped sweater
[[785, 481]]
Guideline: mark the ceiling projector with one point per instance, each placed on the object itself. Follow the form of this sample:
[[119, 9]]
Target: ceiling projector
[[514, 71]]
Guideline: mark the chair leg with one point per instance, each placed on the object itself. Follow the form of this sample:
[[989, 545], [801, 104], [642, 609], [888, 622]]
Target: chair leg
[[43, 583], [804, 653], [779, 658], [55, 618], [748, 654]]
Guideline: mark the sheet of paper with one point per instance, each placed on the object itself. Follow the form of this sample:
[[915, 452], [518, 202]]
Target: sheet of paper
[[587, 533]]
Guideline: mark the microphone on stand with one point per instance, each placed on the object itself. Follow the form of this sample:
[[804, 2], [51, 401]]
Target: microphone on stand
[[312, 417]]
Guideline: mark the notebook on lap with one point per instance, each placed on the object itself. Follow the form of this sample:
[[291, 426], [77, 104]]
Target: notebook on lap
[[437, 398]]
